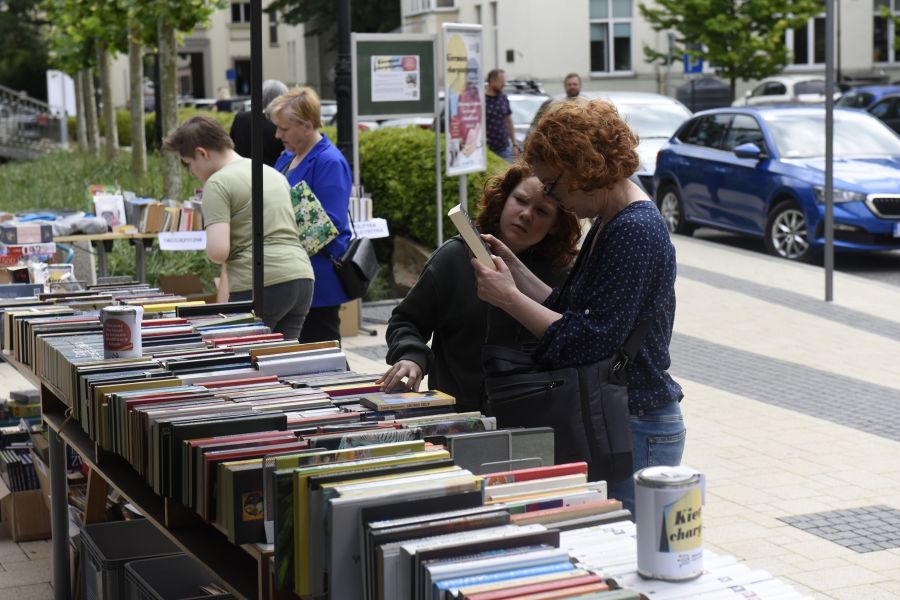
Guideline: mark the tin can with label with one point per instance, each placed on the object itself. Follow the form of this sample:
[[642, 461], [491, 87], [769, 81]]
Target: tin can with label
[[121, 331], [669, 506]]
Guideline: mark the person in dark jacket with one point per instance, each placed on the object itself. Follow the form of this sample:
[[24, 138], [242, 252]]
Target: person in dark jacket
[[443, 304], [240, 127]]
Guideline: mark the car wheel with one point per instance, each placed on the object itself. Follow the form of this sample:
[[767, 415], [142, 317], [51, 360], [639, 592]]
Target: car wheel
[[786, 233], [672, 210]]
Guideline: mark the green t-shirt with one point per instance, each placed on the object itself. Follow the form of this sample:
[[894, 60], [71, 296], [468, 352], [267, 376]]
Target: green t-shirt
[[227, 199]]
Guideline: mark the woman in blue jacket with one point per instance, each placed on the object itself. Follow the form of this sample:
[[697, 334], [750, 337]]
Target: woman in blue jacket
[[308, 155]]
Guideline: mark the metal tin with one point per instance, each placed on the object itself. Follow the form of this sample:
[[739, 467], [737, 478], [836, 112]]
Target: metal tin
[[669, 506], [121, 331]]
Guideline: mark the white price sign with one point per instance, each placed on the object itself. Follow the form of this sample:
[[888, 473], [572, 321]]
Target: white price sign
[[373, 228], [182, 240]]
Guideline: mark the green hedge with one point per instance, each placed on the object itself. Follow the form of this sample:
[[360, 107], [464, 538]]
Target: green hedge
[[397, 168], [123, 123]]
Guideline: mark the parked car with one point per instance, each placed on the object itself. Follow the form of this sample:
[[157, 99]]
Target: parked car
[[865, 96], [785, 89], [887, 109], [654, 118], [760, 171]]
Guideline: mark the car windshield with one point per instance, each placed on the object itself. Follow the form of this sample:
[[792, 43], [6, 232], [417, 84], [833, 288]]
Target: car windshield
[[813, 86], [656, 121], [803, 135], [855, 100], [524, 108]]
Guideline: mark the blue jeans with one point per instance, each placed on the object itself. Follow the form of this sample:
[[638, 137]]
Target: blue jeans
[[505, 153], [658, 436]]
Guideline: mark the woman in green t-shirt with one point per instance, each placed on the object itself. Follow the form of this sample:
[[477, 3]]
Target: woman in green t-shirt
[[209, 153]]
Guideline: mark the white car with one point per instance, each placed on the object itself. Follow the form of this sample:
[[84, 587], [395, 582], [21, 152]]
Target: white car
[[786, 89], [653, 117]]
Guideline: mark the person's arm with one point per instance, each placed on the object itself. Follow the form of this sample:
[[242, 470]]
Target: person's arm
[[218, 242], [497, 287], [510, 126], [527, 282], [222, 291]]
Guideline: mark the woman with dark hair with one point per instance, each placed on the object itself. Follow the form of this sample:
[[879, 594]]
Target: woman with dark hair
[[584, 153], [443, 303]]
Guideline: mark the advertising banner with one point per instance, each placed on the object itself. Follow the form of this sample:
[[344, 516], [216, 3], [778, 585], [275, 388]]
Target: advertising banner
[[465, 147]]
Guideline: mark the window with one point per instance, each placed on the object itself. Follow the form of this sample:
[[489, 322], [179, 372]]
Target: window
[[744, 130], [610, 34], [709, 131], [420, 6], [240, 12], [273, 27], [884, 31], [807, 44], [855, 100]]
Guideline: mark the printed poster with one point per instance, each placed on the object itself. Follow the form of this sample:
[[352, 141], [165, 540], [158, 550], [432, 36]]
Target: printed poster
[[464, 99], [395, 78]]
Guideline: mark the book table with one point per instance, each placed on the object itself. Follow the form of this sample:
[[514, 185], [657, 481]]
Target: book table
[[243, 569], [103, 242]]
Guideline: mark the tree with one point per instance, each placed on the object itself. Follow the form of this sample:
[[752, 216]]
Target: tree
[[320, 16], [741, 38], [23, 54]]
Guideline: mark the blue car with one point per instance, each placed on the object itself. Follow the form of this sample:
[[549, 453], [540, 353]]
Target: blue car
[[865, 96], [761, 172]]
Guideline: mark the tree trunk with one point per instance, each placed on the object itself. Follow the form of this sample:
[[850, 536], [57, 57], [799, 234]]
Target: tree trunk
[[90, 110], [80, 117], [109, 111], [136, 77], [169, 99], [733, 81]]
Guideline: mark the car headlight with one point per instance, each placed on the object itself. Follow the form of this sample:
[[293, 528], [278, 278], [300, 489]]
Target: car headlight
[[838, 195]]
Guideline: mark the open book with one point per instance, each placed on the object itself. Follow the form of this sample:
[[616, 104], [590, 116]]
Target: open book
[[471, 235]]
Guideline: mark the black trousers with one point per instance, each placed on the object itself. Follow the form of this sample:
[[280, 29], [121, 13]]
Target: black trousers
[[285, 305], [322, 324]]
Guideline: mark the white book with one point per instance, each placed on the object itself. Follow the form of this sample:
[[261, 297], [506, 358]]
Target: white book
[[470, 235], [304, 365], [535, 485]]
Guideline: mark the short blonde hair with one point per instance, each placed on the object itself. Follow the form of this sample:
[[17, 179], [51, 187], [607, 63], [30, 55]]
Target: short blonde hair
[[297, 105]]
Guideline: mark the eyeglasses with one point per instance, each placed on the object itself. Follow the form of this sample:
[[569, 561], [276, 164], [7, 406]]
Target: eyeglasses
[[548, 188]]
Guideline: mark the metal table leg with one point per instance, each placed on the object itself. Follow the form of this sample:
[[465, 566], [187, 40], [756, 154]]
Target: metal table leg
[[59, 516], [140, 260], [101, 258]]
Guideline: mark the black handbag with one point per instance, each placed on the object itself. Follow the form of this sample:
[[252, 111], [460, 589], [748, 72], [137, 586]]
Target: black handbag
[[357, 267], [586, 405]]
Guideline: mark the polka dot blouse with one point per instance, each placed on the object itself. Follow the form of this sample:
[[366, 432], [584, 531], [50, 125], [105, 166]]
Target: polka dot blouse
[[629, 277]]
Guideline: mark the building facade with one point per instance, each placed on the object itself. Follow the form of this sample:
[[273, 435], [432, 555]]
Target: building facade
[[603, 41]]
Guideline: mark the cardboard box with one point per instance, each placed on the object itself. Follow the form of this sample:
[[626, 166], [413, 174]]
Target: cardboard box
[[349, 315], [24, 515], [15, 274], [25, 233], [190, 286]]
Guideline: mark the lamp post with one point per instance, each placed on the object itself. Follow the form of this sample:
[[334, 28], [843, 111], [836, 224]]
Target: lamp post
[[343, 84]]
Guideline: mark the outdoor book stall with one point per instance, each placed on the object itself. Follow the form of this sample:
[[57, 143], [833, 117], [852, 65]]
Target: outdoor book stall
[[272, 472]]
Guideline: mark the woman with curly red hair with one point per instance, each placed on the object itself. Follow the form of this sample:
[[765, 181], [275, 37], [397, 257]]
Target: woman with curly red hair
[[584, 153], [443, 304]]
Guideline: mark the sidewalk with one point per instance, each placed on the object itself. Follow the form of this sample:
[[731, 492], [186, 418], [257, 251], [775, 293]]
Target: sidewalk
[[792, 407]]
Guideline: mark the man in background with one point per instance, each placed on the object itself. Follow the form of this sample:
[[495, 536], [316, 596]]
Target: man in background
[[240, 127], [572, 83], [501, 133]]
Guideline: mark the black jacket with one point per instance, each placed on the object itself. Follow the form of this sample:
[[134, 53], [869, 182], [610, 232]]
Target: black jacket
[[444, 304]]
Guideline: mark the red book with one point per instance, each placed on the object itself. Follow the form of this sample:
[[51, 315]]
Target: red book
[[543, 586], [263, 337], [535, 473], [163, 322], [362, 389], [577, 591]]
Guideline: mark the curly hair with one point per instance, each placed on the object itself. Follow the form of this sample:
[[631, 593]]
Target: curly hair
[[588, 140], [559, 246]]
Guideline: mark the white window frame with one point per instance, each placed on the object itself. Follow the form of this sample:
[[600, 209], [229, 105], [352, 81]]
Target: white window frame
[[892, 52], [610, 21], [810, 46], [418, 7]]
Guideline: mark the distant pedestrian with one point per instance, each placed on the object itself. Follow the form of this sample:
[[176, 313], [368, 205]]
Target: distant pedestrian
[[240, 127], [572, 83], [501, 133]]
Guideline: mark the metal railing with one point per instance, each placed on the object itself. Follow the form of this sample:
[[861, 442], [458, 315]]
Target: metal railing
[[29, 128]]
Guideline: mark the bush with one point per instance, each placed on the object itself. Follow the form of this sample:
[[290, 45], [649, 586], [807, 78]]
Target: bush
[[397, 168]]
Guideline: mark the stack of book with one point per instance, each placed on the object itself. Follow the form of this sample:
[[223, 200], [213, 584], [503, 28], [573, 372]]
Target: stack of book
[[17, 470], [148, 215]]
